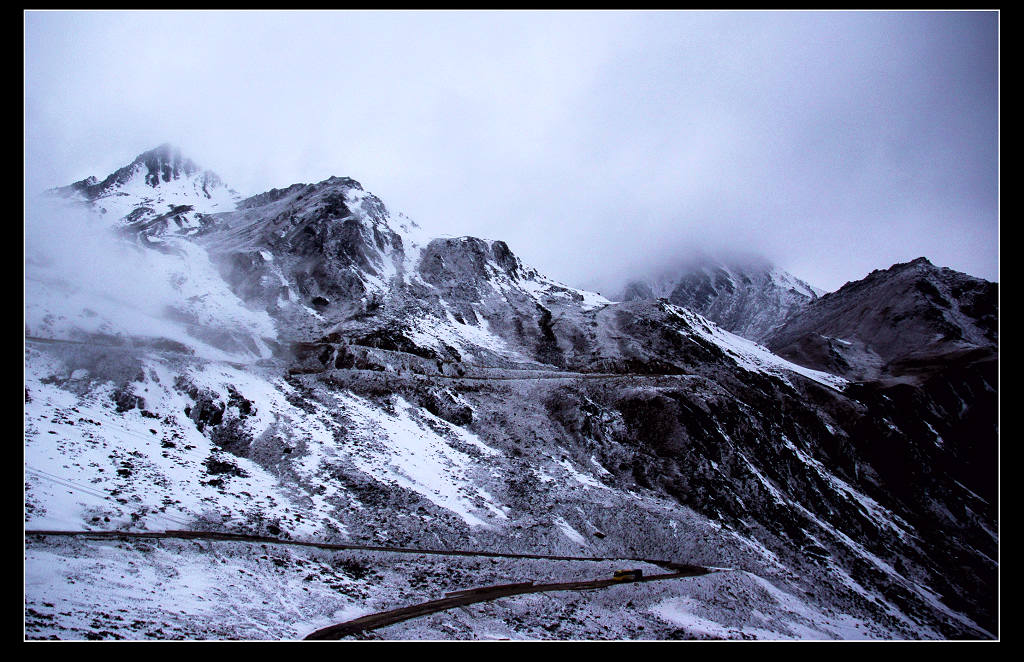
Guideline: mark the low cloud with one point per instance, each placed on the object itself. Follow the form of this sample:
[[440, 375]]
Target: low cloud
[[594, 143], [85, 277]]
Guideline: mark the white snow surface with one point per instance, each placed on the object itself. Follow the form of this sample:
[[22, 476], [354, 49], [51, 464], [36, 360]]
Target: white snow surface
[[85, 462], [123, 198], [405, 447], [752, 356]]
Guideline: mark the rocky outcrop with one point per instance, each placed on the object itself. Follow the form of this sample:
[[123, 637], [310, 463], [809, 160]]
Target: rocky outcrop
[[466, 267]]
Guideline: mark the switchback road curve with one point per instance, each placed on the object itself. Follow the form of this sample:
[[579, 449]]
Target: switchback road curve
[[463, 598], [451, 600]]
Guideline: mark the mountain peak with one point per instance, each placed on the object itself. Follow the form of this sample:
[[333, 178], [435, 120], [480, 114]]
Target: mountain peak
[[743, 293], [915, 263], [165, 151], [164, 164], [158, 184], [346, 182], [892, 322]]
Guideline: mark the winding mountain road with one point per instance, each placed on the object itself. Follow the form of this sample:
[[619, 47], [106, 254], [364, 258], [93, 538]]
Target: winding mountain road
[[520, 374], [483, 594], [450, 601]]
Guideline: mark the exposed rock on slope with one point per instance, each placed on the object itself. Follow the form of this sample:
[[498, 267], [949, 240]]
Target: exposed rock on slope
[[309, 253], [924, 342]]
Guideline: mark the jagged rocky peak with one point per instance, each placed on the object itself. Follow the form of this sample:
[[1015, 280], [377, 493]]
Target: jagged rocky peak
[[743, 293], [310, 253], [156, 167], [160, 192], [921, 265], [165, 163], [468, 260], [893, 322], [310, 219]]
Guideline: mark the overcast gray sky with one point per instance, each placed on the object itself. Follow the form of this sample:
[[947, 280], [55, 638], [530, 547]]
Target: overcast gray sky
[[596, 144]]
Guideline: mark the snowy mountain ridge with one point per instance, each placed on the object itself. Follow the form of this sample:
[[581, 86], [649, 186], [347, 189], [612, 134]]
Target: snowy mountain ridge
[[304, 365]]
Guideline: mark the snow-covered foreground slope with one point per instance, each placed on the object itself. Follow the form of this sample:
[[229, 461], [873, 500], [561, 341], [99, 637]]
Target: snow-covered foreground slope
[[215, 590], [163, 471], [307, 367], [286, 456]]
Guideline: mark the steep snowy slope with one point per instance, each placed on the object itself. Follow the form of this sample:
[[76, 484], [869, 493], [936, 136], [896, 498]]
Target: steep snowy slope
[[341, 377], [747, 296]]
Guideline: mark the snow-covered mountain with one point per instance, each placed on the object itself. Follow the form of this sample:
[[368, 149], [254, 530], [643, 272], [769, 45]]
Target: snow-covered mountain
[[301, 364], [159, 191], [745, 295]]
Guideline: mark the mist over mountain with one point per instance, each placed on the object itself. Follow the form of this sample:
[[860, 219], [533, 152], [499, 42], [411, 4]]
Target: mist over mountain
[[744, 294], [306, 365]]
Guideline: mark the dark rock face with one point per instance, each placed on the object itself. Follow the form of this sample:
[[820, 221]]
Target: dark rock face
[[273, 195], [463, 265], [923, 341], [751, 452], [444, 404], [164, 164], [949, 420], [125, 400], [206, 409], [326, 244], [939, 461], [394, 340], [904, 320]]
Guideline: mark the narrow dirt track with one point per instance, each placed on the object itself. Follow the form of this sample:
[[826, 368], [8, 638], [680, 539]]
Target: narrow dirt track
[[385, 618], [129, 347], [241, 537], [283, 365]]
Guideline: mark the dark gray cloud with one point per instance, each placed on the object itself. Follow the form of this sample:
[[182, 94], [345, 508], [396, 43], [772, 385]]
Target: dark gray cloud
[[596, 144]]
